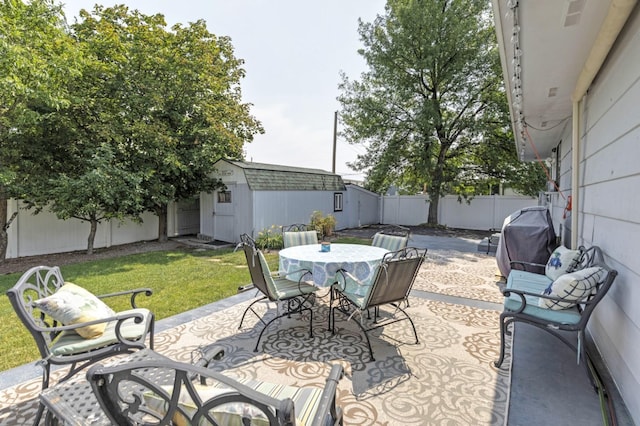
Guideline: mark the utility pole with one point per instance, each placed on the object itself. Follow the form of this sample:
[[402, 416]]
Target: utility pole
[[335, 139]]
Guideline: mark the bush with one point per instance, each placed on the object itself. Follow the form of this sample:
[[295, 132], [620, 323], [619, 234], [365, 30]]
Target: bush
[[270, 238], [323, 224]]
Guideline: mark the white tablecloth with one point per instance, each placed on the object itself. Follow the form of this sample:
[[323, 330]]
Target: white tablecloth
[[359, 260]]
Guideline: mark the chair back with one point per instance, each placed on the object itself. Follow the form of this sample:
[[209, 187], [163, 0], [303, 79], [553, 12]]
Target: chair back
[[395, 276], [601, 289], [34, 284], [392, 238], [258, 267], [298, 235]]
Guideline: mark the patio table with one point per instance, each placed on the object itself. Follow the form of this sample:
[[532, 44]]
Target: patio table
[[359, 260]]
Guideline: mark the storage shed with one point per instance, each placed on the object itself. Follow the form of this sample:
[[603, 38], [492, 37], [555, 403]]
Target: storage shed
[[258, 196]]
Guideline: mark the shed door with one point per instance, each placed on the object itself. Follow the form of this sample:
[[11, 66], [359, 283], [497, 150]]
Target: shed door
[[224, 204]]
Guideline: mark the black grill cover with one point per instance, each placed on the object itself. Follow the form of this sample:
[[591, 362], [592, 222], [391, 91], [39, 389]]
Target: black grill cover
[[527, 235]]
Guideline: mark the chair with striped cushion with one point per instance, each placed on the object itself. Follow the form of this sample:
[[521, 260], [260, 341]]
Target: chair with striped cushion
[[297, 296], [56, 317], [298, 235], [162, 391], [392, 238]]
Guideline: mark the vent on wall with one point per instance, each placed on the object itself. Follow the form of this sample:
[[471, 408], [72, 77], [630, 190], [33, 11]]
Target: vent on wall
[[574, 11], [552, 92]]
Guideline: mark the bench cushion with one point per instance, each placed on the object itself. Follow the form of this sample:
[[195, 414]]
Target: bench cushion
[[536, 283]]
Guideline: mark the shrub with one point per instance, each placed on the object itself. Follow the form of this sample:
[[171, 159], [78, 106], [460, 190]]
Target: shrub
[[270, 238], [323, 224]]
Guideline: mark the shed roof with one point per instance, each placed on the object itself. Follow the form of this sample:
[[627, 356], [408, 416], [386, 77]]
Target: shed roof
[[274, 177]]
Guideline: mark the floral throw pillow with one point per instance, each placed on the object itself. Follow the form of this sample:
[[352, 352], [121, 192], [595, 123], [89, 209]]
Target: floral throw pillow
[[72, 304], [559, 262]]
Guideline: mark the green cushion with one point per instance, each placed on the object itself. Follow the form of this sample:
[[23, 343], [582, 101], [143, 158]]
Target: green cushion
[[70, 342], [299, 238], [389, 242], [286, 289], [306, 401], [536, 283]]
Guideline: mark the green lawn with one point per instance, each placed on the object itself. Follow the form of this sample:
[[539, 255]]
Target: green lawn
[[181, 280]]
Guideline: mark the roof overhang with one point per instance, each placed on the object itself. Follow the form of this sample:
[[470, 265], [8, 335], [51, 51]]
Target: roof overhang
[[544, 45]]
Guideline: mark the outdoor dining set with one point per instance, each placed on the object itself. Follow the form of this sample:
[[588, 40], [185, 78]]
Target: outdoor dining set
[[128, 382], [138, 385]]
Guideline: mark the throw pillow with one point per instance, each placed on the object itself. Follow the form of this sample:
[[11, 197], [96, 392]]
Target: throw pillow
[[72, 304], [572, 288], [559, 262]]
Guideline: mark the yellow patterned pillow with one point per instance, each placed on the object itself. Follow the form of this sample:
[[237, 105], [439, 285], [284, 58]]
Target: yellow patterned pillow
[[72, 304]]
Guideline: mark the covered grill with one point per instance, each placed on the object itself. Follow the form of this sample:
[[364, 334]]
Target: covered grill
[[527, 235]]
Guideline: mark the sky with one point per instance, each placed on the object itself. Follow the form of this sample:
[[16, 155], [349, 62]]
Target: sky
[[294, 51]]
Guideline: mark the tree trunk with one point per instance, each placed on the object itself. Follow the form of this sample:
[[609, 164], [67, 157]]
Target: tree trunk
[[92, 236], [433, 210], [162, 223], [4, 237]]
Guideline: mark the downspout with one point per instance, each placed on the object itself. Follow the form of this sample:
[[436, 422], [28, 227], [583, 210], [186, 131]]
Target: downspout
[[618, 13]]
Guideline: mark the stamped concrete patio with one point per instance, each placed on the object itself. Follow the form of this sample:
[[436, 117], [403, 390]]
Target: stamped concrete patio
[[448, 378]]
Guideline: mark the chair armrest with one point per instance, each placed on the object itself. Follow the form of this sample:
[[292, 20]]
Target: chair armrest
[[327, 405], [119, 317], [134, 293], [523, 301], [204, 358]]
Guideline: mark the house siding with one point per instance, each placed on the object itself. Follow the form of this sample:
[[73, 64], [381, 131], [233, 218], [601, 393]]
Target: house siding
[[609, 205]]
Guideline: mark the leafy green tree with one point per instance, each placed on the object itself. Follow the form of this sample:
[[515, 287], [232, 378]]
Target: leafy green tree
[[431, 91], [37, 58], [173, 101]]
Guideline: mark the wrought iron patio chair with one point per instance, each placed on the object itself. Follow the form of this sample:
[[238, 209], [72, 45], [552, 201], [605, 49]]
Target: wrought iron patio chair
[[298, 234], [530, 298], [297, 296], [391, 285], [59, 344], [161, 391], [392, 238]]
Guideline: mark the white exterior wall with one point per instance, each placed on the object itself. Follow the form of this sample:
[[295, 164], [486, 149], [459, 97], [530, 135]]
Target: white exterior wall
[[361, 207], [289, 207], [609, 205]]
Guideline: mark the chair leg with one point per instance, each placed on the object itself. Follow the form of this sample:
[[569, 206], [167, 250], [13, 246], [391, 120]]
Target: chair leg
[[250, 308]]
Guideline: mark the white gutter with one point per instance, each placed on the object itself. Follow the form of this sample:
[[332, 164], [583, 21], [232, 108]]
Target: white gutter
[[619, 11]]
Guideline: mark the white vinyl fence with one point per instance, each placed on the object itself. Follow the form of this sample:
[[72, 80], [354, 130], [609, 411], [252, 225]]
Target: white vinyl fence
[[31, 235], [482, 212]]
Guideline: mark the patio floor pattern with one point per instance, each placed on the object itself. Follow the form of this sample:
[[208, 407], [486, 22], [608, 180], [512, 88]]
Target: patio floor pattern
[[446, 379]]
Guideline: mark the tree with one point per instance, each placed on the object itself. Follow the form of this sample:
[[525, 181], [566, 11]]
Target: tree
[[175, 101], [37, 58], [430, 91]]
